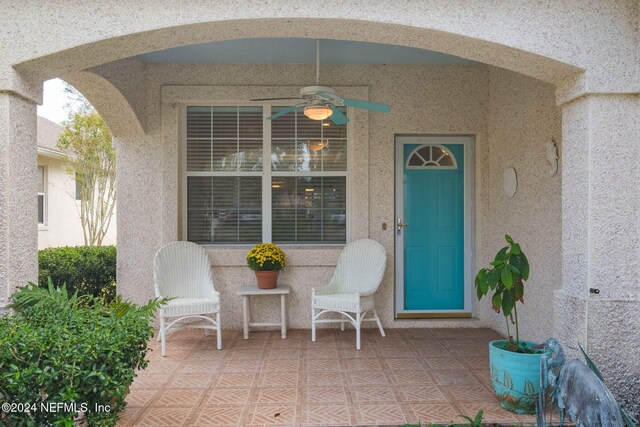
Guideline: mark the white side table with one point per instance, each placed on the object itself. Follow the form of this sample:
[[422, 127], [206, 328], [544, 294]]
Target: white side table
[[249, 290]]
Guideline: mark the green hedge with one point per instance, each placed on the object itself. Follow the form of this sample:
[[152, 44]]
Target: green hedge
[[90, 270], [60, 349]]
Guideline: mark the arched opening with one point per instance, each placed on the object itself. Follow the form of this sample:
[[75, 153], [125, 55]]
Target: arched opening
[[76, 171], [94, 64], [91, 54]]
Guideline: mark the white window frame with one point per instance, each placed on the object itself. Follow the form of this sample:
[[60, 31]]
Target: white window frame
[[266, 173], [78, 194], [45, 198]]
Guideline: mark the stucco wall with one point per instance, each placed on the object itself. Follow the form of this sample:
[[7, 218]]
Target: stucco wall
[[63, 226], [426, 100], [522, 117], [432, 99], [601, 238]]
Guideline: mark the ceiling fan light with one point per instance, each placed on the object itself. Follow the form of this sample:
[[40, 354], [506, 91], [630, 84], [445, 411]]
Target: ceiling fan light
[[318, 112], [317, 144]]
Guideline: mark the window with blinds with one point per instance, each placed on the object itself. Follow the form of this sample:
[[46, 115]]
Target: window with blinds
[[300, 197], [308, 180]]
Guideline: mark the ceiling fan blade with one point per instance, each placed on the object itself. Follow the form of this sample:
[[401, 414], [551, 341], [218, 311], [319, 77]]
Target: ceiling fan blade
[[274, 99], [373, 106], [283, 112], [337, 117]]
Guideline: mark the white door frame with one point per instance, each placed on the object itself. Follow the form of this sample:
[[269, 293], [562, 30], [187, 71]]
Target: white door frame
[[468, 141]]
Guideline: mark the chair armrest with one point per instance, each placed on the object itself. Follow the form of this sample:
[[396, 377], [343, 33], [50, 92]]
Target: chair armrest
[[367, 293], [324, 290]]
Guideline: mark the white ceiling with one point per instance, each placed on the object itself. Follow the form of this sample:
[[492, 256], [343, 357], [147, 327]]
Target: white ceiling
[[298, 51]]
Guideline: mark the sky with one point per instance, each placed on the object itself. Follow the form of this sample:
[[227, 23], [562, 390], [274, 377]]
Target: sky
[[54, 100]]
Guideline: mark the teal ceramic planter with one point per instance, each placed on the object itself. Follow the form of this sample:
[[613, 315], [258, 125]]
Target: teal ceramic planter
[[515, 377]]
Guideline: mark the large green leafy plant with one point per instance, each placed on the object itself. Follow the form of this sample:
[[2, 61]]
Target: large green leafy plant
[[60, 348], [505, 278]]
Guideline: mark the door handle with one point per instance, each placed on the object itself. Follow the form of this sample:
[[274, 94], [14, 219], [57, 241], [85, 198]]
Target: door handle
[[400, 224]]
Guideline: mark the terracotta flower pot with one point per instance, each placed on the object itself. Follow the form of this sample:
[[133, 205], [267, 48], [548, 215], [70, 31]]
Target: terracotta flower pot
[[267, 279]]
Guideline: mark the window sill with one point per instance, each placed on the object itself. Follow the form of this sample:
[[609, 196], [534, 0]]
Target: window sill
[[297, 255], [284, 246]]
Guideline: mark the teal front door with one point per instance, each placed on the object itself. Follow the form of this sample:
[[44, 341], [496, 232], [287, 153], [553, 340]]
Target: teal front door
[[430, 226]]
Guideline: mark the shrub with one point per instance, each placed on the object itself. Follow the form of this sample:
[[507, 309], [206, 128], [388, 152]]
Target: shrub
[[90, 270], [64, 349]]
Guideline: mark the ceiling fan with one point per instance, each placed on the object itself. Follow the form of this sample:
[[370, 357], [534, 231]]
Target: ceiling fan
[[320, 102]]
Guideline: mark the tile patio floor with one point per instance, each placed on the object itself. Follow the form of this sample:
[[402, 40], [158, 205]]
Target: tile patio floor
[[411, 376]]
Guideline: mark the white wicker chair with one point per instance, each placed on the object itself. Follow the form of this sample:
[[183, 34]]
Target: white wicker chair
[[357, 276], [182, 271]]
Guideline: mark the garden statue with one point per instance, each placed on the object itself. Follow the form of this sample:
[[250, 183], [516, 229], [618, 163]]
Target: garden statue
[[577, 390]]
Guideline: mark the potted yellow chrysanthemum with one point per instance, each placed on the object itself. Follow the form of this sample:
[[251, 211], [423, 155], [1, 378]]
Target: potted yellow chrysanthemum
[[266, 260]]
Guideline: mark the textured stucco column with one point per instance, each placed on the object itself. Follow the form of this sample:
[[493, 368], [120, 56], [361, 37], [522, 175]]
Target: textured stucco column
[[139, 204], [601, 238], [18, 194]]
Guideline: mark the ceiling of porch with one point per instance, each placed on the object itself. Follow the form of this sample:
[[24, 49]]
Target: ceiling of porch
[[298, 51]]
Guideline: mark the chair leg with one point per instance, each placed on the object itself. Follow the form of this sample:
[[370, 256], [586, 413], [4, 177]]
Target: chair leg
[[342, 326], [163, 338], [375, 314], [218, 331], [313, 324], [358, 324]]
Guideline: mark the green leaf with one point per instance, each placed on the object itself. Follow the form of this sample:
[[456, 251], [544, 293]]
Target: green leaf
[[478, 419], [467, 418], [481, 277], [494, 278], [507, 303], [516, 261], [629, 421], [484, 287], [506, 278], [496, 301], [518, 291], [513, 268], [515, 249], [508, 239], [501, 256], [524, 268], [590, 364]]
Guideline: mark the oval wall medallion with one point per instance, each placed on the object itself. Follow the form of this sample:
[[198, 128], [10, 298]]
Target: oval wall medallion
[[510, 182]]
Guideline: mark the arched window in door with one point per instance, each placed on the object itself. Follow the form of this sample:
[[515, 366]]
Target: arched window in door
[[431, 157]]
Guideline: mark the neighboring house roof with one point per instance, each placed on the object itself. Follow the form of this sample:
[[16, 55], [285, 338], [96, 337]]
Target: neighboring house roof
[[48, 134]]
